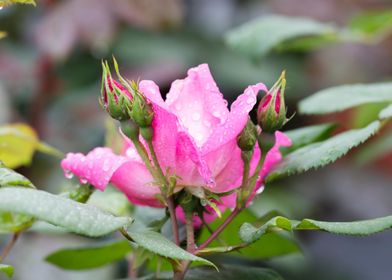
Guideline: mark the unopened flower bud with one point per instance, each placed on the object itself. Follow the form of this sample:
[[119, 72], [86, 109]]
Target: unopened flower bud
[[115, 98], [271, 113], [141, 111], [247, 139]]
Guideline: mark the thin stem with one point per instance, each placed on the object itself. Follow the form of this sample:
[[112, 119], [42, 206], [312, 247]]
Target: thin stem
[[220, 240], [219, 229], [9, 246], [190, 233], [125, 234], [173, 217], [143, 154], [245, 178], [156, 162]]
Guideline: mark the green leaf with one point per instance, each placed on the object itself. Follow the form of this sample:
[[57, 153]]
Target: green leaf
[[7, 270], [89, 257], [375, 24], [258, 37], [3, 34], [306, 135], [273, 244], [339, 98], [18, 144], [10, 178], [234, 272], [111, 201], [11, 222], [378, 148], [4, 3], [157, 243], [322, 153], [250, 233], [386, 113], [60, 211]]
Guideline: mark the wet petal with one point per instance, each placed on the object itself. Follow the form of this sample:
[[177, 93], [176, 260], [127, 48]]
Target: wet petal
[[236, 120], [136, 182], [96, 168], [198, 103]]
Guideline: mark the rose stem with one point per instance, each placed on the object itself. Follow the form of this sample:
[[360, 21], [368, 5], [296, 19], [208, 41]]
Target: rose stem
[[9, 246]]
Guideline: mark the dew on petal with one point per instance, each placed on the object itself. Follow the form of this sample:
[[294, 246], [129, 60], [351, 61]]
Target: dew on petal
[[106, 165], [250, 100], [211, 183], [216, 114], [206, 123], [196, 116]]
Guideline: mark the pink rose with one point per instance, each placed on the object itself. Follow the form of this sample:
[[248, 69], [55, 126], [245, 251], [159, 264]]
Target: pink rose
[[194, 138]]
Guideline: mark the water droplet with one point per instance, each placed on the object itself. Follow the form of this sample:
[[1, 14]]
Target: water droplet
[[207, 123], [250, 100], [68, 174], [83, 181], [106, 165], [260, 190], [211, 182], [196, 116], [216, 114]]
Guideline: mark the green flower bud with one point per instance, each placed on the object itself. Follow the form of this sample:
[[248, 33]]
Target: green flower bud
[[247, 139], [141, 111]]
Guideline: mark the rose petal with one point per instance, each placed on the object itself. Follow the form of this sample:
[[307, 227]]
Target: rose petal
[[97, 167], [198, 103], [101, 166], [236, 120], [136, 182]]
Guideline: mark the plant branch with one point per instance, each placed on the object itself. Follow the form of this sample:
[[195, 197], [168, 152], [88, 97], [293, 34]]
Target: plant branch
[[190, 232], [144, 155], [9, 246], [173, 217], [219, 229]]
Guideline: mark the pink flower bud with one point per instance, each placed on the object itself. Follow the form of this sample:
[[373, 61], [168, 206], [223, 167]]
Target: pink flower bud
[[115, 98], [271, 113]]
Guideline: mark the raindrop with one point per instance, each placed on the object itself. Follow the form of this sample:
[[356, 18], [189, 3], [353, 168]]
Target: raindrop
[[106, 165], [68, 174], [83, 181], [196, 116], [216, 114], [250, 100], [211, 182], [207, 123], [260, 190]]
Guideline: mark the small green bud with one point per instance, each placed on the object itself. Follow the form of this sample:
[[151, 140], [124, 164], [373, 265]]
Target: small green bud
[[271, 113], [247, 139], [141, 111]]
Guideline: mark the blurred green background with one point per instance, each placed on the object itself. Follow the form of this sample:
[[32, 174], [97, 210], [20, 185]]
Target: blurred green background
[[50, 77]]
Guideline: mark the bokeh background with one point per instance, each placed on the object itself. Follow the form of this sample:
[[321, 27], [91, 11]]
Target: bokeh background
[[50, 78]]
